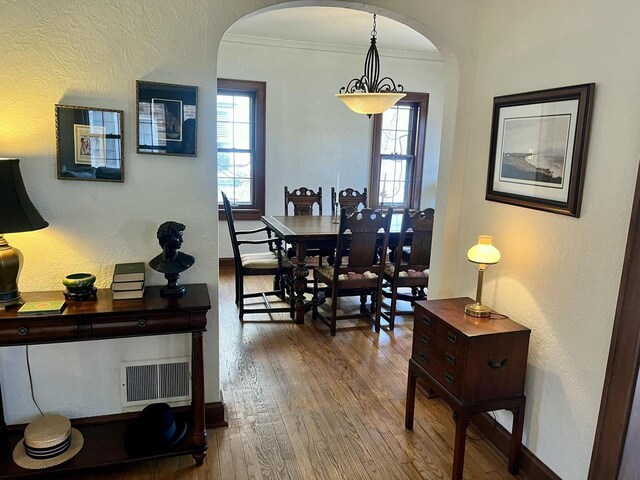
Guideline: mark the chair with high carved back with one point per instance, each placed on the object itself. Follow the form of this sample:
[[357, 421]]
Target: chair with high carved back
[[410, 268], [362, 273], [303, 200], [348, 199], [269, 263]]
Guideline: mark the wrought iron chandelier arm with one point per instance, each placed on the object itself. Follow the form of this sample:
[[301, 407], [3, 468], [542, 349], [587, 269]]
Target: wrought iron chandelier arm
[[387, 85]]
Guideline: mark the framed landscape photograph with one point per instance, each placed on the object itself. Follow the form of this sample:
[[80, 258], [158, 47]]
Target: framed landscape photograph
[[538, 148], [166, 118], [89, 144]]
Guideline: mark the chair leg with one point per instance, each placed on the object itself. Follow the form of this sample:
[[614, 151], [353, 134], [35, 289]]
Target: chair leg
[[276, 283], [334, 310], [378, 309], [237, 276], [314, 300], [392, 312], [363, 301], [241, 295]]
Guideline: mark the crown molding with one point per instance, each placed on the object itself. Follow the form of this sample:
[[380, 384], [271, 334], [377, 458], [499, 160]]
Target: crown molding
[[327, 47]]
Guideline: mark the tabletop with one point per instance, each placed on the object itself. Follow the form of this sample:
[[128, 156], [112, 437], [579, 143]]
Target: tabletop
[[312, 227]]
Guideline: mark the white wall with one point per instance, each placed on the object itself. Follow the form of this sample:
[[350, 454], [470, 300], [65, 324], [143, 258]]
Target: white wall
[[90, 54], [559, 275], [309, 146]]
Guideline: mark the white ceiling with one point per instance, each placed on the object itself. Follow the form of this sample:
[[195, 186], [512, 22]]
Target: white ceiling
[[332, 26]]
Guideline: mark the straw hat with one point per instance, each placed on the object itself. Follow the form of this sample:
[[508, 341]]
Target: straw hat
[[47, 441]]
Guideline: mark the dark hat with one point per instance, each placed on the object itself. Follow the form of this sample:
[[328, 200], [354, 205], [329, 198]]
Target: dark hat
[[155, 430]]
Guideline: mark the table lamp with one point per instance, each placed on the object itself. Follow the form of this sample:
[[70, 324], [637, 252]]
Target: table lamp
[[482, 255], [17, 214]]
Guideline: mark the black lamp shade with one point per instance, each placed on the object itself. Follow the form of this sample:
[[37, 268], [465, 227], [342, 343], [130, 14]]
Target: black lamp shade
[[17, 213]]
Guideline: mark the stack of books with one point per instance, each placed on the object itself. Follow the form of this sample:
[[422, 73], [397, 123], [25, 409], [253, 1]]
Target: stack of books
[[128, 281]]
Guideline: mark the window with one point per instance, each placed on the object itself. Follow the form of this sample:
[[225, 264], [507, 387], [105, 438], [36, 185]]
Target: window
[[241, 152], [398, 153]]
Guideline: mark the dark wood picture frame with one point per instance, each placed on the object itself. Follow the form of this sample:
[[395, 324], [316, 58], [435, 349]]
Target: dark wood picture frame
[[89, 143], [166, 119], [538, 148]]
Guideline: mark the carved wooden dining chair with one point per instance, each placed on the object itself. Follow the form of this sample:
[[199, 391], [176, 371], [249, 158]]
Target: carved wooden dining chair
[[303, 200], [271, 262], [362, 273], [410, 268], [349, 199]]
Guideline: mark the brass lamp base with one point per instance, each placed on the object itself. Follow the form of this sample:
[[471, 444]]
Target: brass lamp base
[[9, 270], [477, 310]]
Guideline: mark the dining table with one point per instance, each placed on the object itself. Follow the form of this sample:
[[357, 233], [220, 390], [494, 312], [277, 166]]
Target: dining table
[[313, 231]]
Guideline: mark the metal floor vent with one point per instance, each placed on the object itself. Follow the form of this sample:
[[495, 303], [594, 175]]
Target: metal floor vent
[[148, 381]]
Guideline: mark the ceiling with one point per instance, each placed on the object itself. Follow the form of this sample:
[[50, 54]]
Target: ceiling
[[332, 26]]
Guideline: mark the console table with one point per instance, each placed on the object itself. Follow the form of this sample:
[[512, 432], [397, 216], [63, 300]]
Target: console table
[[473, 364], [104, 319]]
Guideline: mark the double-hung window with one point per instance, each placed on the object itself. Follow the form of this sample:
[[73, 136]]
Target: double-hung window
[[241, 147], [398, 153]]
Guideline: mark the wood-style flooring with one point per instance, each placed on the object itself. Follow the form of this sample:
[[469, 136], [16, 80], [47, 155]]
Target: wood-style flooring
[[304, 405]]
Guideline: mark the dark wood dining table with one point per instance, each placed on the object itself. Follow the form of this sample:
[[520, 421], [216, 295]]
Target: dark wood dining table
[[315, 231]]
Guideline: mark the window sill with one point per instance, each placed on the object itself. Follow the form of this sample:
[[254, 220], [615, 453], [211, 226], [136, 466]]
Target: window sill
[[242, 214]]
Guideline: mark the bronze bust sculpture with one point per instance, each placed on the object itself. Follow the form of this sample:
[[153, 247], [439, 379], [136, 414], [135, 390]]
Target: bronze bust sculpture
[[171, 262]]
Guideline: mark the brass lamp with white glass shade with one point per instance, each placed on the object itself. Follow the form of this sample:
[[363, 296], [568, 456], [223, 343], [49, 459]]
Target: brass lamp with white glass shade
[[481, 255], [371, 94], [17, 214]]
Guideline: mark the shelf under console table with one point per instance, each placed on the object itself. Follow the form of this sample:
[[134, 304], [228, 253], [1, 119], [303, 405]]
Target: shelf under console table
[[103, 319]]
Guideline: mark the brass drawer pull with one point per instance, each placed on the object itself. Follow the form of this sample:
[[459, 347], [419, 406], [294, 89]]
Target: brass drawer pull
[[142, 322], [496, 365], [424, 358], [452, 337], [426, 339], [426, 320], [450, 358], [448, 377], [22, 331]]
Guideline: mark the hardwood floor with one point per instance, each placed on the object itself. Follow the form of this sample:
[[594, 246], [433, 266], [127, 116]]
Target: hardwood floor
[[304, 405]]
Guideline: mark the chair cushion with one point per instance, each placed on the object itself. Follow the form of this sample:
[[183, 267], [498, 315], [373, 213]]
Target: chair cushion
[[267, 260], [326, 272], [389, 270]]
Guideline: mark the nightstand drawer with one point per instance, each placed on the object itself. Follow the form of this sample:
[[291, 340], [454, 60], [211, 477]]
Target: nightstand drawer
[[140, 325], [424, 323], [452, 340], [32, 331], [451, 380], [452, 359]]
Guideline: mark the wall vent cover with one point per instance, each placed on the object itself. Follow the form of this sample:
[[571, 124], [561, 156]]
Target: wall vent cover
[[149, 381]]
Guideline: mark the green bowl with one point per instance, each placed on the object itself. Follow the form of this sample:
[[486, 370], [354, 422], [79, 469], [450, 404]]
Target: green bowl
[[79, 281]]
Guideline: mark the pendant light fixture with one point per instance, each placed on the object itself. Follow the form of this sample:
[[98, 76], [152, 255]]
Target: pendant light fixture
[[371, 94]]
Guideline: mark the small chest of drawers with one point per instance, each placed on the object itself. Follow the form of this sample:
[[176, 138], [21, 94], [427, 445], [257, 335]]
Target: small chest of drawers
[[474, 365]]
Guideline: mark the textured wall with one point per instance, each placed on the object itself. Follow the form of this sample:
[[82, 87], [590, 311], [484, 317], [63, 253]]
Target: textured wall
[[559, 275], [310, 146], [90, 53]]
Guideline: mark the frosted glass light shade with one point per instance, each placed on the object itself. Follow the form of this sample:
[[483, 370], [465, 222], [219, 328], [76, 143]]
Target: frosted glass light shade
[[484, 252], [370, 103]]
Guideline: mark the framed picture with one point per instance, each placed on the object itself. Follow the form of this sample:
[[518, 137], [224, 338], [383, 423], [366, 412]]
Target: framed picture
[[89, 144], [167, 118], [538, 148]]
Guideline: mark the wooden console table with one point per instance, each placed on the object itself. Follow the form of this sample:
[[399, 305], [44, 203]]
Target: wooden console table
[[473, 364], [104, 319]]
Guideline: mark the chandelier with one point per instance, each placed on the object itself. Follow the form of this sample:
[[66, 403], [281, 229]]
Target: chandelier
[[371, 94]]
